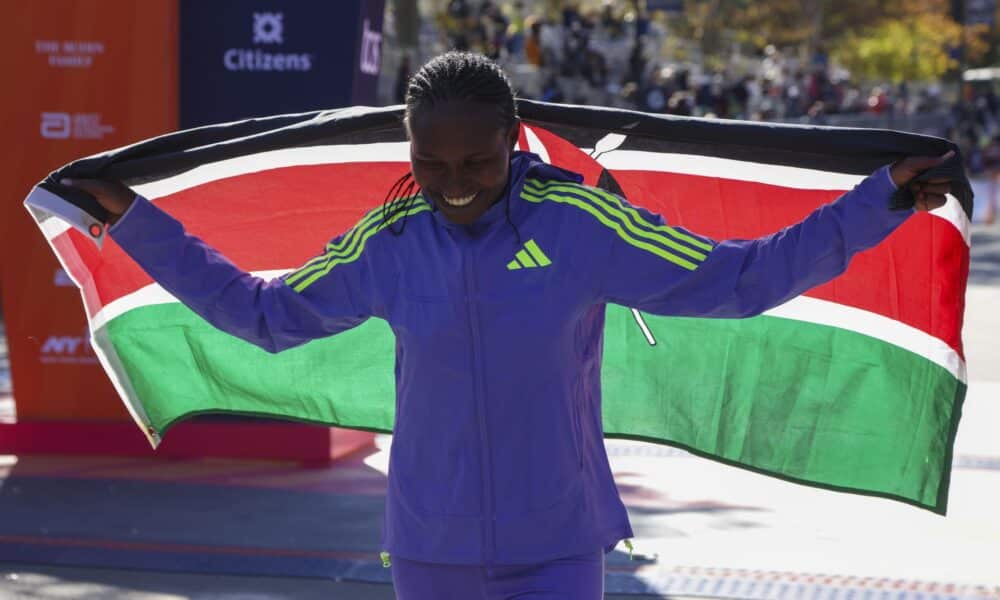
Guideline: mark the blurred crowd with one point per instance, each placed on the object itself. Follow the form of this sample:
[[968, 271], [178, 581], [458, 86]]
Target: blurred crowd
[[611, 55], [608, 56]]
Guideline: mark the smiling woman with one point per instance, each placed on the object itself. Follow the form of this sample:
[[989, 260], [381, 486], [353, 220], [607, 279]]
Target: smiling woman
[[462, 124], [499, 485]]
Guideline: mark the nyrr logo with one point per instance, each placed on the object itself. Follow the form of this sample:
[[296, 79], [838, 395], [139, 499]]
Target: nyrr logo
[[67, 349], [268, 28]]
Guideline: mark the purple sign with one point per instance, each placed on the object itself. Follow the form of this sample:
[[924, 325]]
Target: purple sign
[[368, 59]]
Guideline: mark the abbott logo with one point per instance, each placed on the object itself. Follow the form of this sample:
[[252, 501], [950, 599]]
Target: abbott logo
[[79, 126], [371, 49], [56, 125], [268, 28]]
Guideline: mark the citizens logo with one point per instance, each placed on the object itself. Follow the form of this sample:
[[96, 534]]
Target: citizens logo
[[77, 126], [68, 349], [268, 29]]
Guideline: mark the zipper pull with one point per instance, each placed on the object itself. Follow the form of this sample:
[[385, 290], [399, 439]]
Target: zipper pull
[[628, 544], [385, 559]]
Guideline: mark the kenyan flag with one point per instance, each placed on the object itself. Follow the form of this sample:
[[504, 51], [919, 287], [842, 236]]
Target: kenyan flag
[[857, 385]]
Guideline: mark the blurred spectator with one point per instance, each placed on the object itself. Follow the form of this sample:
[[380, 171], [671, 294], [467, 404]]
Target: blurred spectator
[[533, 43], [740, 95], [551, 92], [817, 113], [878, 101]]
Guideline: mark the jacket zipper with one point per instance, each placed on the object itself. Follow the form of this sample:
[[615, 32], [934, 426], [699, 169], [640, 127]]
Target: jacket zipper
[[488, 520]]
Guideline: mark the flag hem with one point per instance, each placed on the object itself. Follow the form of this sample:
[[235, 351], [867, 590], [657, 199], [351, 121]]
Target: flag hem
[[102, 346]]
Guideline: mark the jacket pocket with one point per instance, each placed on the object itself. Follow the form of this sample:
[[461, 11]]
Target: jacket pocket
[[433, 459]]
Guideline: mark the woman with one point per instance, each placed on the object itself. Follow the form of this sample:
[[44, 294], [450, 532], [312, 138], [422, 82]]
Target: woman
[[494, 269]]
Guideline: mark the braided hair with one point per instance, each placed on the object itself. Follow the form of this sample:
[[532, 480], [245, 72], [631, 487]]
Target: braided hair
[[452, 76]]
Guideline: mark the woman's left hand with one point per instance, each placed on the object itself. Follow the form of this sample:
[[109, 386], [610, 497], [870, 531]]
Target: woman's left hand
[[930, 194]]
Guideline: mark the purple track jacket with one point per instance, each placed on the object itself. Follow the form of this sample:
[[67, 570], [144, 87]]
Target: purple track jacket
[[498, 453]]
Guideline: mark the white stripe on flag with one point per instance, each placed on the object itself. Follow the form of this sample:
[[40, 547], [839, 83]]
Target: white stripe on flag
[[276, 159], [824, 312], [263, 161], [778, 175], [535, 145], [802, 308], [686, 164], [728, 168], [150, 295]]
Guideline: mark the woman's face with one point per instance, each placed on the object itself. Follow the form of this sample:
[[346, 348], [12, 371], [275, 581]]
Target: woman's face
[[460, 157]]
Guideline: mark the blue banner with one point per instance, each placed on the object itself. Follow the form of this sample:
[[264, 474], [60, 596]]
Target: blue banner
[[250, 58]]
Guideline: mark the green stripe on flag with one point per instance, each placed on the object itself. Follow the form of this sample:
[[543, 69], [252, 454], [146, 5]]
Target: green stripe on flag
[[179, 365], [805, 402]]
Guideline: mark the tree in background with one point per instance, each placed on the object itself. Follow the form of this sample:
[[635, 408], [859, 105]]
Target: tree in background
[[913, 41], [900, 40]]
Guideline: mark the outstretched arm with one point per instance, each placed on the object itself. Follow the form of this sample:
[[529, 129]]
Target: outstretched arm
[[694, 276], [274, 315]]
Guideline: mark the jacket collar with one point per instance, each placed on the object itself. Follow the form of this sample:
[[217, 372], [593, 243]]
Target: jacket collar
[[522, 165]]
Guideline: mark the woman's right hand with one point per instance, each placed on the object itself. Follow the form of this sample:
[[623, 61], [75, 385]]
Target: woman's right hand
[[114, 196]]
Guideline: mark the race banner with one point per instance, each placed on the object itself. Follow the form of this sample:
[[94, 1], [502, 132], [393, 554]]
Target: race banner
[[83, 83], [242, 59]]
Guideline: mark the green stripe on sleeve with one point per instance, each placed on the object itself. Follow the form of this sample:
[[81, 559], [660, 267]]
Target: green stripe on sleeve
[[613, 225], [340, 260], [342, 248], [624, 208]]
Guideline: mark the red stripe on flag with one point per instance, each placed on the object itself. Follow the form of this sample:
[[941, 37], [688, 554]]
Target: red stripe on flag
[[917, 276], [274, 219], [280, 218]]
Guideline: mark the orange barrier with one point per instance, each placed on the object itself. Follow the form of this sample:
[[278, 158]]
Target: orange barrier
[[83, 76]]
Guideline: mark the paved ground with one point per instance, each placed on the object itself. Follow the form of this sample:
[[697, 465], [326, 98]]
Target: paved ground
[[36, 581], [702, 529]]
